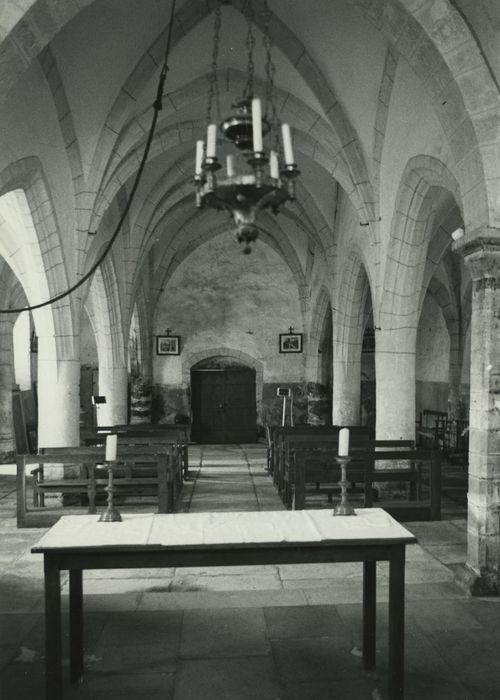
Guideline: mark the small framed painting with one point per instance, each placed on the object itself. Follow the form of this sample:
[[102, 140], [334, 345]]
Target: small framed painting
[[168, 345], [290, 342]]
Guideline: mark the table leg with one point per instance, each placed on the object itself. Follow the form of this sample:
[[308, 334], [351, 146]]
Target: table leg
[[53, 637], [396, 623], [369, 613], [75, 625]]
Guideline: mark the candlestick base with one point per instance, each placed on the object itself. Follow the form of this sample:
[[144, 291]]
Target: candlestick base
[[343, 508], [111, 514]]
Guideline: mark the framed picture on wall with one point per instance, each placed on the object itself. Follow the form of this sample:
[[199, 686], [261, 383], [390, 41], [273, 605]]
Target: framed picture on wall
[[290, 342], [168, 345]]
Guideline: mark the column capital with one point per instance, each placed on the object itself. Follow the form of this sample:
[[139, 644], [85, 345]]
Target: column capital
[[481, 252]]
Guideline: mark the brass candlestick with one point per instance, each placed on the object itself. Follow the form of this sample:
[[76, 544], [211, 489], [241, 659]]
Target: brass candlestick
[[111, 514], [343, 508]]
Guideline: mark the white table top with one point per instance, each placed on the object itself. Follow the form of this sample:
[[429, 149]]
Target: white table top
[[224, 529]]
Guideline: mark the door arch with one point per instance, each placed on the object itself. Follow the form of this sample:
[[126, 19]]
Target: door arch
[[223, 401]]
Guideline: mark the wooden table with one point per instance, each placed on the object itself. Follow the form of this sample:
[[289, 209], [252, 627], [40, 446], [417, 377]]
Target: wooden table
[[80, 542]]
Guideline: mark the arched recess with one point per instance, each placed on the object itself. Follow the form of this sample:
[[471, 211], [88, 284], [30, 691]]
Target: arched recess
[[174, 256], [412, 227], [103, 308], [225, 397], [192, 358], [353, 296], [28, 217], [320, 361], [448, 61]]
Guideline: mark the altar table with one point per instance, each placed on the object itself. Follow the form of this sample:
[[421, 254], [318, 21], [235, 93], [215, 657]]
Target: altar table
[[80, 542]]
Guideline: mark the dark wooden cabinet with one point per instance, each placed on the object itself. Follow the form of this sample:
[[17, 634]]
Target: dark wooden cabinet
[[223, 405]]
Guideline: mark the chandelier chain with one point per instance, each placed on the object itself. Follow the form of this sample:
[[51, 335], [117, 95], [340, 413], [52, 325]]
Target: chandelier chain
[[270, 72], [213, 89], [250, 44]]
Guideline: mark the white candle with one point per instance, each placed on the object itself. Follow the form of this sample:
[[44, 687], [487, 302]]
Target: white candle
[[257, 125], [287, 144], [274, 166], [211, 140], [200, 147], [111, 443], [344, 442], [230, 166]]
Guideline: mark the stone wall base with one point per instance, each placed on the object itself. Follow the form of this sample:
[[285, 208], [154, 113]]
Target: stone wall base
[[487, 583]]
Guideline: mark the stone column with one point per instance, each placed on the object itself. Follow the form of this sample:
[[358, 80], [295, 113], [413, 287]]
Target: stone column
[[113, 384], [395, 384], [58, 397], [482, 257], [346, 401], [7, 437]]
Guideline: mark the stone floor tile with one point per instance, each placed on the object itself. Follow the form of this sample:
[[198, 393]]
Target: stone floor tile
[[298, 622], [441, 615], [483, 687], [216, 599], [362, 688], [112, 586], [8, 652], [226, 583], [486, 611], [15, 627], [435, 533], [22, 681], [318, 571], [227, 679], [127, 573], [427, 686], [123, 686], [427, 572], [336, 593], [468, 652], [135, 658], [143, 627], [449, 554], [105, 602], [220, 633], [426, 591], [260, 570], [316, 659]]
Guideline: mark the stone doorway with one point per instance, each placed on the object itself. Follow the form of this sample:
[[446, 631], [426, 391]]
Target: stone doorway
[[223, 402]]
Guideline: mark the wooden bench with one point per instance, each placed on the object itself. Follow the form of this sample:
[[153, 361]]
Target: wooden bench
[[278, 436], [141, 443], [139, 472], [155, 432], [311, 441], [311, 468]]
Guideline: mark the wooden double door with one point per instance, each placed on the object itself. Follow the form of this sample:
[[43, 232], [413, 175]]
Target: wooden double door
[[223, 405]]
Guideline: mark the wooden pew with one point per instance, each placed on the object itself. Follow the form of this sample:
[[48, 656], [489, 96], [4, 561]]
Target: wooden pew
[[138, 472], [287, 440], [157, 443], [178, 433], [311, 468]]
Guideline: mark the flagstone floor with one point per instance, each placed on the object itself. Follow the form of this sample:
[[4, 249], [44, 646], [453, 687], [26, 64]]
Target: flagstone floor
[[266, 632]]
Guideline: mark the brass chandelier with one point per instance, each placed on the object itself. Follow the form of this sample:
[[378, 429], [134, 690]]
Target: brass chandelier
[[267, 178]]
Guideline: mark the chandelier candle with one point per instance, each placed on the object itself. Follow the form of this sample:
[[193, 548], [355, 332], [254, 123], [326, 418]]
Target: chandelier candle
[[198, 169], [258, 146], [287, 144], [230, 166], [274, 166], [211, 141]]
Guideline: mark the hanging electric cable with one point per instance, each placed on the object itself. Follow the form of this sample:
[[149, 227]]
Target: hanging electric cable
[[157, 106]]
